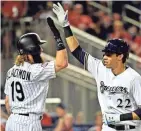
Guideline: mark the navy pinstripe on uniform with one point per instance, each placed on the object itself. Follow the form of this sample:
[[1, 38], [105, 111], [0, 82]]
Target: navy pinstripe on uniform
[[27, 88]]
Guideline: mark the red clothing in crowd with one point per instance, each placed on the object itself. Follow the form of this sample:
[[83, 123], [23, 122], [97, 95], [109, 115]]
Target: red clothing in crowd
[[46, 120]]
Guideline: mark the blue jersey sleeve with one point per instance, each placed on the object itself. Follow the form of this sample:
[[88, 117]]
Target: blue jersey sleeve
[[80, 54]]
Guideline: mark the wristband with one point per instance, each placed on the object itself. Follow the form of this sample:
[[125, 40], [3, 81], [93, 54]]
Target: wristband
[[59, 43], [68, 31], [125, 117]]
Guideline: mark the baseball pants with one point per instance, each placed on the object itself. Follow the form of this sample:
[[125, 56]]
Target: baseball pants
[[23, 123], [107, 128]]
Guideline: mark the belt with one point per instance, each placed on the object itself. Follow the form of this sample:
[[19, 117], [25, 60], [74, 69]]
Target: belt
[[122, 127], [23, 114], [27, 114]]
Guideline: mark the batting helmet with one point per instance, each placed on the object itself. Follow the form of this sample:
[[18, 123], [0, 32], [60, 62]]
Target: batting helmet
[[30, 44], [117, 46]]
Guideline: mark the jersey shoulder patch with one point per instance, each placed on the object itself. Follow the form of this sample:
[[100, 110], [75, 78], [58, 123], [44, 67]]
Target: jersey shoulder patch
[[44, 64]]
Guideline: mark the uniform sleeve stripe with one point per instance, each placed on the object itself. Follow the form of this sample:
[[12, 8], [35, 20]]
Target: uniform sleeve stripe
[[86, 61]]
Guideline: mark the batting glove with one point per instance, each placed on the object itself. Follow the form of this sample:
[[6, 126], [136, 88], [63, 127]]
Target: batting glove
[[53, 27], [109, 118], [61, 14]]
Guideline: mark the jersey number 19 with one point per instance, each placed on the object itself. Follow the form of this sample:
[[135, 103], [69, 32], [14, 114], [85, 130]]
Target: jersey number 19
[[17, 87]]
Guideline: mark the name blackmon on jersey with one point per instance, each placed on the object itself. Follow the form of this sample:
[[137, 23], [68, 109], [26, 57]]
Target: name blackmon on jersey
[[19, 73]]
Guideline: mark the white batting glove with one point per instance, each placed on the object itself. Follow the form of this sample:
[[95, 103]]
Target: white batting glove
[[109, 118], [61, 14]]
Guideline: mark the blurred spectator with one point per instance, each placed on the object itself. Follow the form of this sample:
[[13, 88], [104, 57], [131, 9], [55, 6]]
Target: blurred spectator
[[68, 121], [65, 124], [135, 36], [75, 15], [91, 10], [94, 28], [106, 27], [85, 22], [65, 121], [67, 5], [79, 118], [84, 5], [61, 110], [135, 44], [46, 120], [119, 32], [100, 14], [7, 44], [116, 17], [97, 123], [78, 19], [14, 9], [45, 11]]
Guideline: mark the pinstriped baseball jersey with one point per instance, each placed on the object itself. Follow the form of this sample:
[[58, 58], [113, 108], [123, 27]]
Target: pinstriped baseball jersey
[[117, 94], [27, 86]]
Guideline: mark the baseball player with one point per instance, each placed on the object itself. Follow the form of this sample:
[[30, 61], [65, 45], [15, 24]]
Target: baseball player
[[118, 85], [27, 81]]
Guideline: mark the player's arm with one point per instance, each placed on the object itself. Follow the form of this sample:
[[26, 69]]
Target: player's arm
[[61, 61], [72, 42], [7, 104], [80, 54]]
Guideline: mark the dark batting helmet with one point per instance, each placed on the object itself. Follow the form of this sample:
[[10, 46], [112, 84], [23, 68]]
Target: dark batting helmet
[[30, 44], [117, 46]]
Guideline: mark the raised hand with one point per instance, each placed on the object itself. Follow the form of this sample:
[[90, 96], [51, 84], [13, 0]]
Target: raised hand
[[53, 27], [61, 14]]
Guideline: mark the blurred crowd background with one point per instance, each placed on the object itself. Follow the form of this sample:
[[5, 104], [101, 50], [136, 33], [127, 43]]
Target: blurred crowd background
[[101, 19]]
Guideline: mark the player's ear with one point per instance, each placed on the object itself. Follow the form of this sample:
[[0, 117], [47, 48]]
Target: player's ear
[[120, 57]]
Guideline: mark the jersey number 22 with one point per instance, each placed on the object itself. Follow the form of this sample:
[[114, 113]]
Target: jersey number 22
[[127, 103]]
